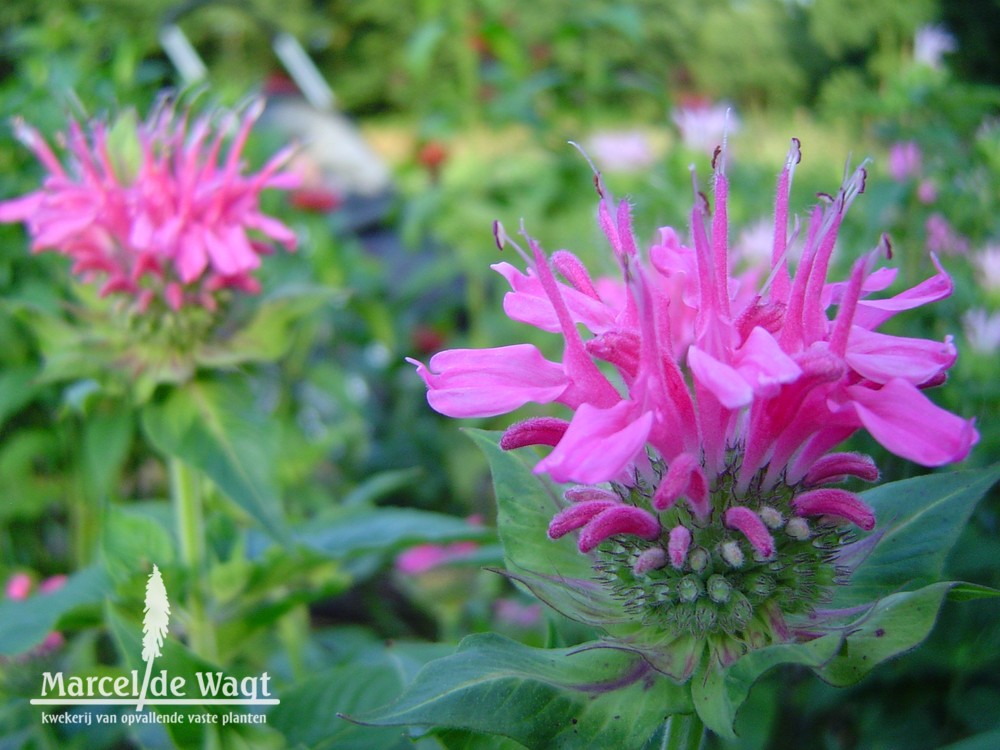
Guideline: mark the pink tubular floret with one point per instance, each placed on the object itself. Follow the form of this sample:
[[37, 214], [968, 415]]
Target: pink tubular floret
[[678, 545], [837, 503], [535, 431], [618, 519], [576, 515], [650, 559], [836, 467], [749, 524]]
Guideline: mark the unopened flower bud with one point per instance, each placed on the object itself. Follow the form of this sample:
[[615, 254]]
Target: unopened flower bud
[[698, 559], [689, 588], [650, 559], [771, 517], [797, 528], [719, 589], [732, 554]]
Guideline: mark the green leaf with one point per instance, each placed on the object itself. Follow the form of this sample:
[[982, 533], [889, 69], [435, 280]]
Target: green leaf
[[132, 538], [216, 428], [107, 437], [542, 698], [553, 570], [922, 519], [268, 335], [24, 624], [350, 532], [177, 661], [984, 741], [17, 388], [307, 711], [718, 693], [894, 625]]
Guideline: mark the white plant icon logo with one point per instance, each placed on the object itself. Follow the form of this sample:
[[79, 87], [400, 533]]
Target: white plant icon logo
[[156, 615]]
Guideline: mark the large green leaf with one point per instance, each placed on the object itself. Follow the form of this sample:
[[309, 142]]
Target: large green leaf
[[134, 537], [553, 570], [920, 520], [718, 693], [216, 429], [177, 661], [542, 698], [268, 335], [24, 624], [896, 624], [307, 711]]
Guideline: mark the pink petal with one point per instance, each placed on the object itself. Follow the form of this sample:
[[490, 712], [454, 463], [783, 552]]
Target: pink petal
[[599, 444], [873, 313], [905, 421], [762, 364], [488, 382], [723, 381], [528, 303], [881, 357]]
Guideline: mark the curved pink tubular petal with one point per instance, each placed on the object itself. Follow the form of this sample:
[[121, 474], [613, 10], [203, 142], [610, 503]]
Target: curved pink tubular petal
[[576, 515], [534, 431], [881, 357], [650, 559], [723, 381], [581, 494], [763, 365], [528, 303], [836, 467], [678, 545], [599, 444], [684, 476], [620, 519], [905, 421], [749, 524], [873, 313], [488, 382], [835, 502]]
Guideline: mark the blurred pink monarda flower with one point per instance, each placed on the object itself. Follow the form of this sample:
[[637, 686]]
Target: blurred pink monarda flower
[[703, 124], [904, 160], [702, 458], [159, 210]]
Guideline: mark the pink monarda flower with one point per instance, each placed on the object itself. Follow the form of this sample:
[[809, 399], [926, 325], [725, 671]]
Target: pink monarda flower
[[156, 210], [904, 160], [704, 420]]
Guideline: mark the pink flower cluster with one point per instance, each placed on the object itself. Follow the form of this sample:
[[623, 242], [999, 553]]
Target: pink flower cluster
[[155, 209], [18, 589], [718, 402]]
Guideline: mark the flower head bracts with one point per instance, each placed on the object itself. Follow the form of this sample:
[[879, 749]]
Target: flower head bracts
[[160, 210], [715, 430]]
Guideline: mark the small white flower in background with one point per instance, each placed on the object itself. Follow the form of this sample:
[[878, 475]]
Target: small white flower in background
[[982, 330], [703, 125], [987, 261], [621, 151], [930, 44]]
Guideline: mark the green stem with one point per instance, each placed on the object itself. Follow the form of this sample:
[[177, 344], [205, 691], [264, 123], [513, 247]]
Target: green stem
[[185, 490], [683, 732]]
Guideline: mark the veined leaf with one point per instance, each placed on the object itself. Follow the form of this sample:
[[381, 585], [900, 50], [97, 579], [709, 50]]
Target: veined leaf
[[542, 698]]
